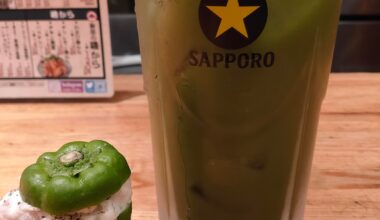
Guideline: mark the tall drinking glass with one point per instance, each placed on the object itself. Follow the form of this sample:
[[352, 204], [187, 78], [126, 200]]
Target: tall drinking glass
[[235, 89]]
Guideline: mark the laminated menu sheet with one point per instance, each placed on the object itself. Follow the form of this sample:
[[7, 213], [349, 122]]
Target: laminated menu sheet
[[55, 48]]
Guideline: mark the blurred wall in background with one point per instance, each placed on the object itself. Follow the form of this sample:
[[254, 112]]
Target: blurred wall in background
[[358, 42], [121, 6]]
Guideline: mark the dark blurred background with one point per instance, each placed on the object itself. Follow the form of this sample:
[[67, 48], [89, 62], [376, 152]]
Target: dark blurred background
[[357, 47], [121, 6]]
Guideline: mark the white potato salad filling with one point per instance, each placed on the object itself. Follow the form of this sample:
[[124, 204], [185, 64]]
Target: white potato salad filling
[[13, 208]]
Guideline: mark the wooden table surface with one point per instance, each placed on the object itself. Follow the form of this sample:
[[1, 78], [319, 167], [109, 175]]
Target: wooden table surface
[[345, 183]]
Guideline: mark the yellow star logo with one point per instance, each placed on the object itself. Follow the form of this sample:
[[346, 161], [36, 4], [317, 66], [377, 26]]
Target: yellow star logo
[[232, 16]]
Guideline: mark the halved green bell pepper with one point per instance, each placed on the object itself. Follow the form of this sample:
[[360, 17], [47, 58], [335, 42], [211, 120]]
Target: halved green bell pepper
[[77, 176]]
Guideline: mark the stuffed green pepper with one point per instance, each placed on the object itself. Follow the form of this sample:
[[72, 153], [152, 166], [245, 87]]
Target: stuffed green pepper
[[82, 180]]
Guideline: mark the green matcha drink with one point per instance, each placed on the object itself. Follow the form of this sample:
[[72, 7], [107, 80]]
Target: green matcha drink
[[235, 89]]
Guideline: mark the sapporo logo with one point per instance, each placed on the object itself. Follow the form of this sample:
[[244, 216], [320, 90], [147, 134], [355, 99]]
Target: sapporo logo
[[232, 25]]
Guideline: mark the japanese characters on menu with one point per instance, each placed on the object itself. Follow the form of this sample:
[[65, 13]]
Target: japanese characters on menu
[[54, 48]]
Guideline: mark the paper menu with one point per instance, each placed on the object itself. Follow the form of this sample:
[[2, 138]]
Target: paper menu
[[42, 4], [64, 45]]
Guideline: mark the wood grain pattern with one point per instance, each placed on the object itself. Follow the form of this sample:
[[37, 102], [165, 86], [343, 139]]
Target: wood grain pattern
[[345, 183]]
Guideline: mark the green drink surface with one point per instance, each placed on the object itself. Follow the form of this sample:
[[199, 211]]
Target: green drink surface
[[232, 142]]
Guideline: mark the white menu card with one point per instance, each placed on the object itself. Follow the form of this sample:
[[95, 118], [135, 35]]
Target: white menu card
[[55, 48]]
